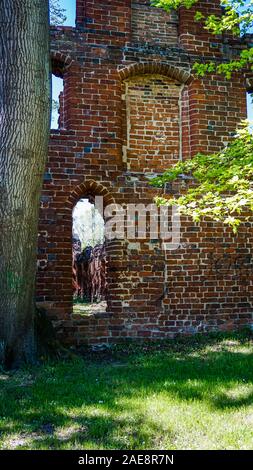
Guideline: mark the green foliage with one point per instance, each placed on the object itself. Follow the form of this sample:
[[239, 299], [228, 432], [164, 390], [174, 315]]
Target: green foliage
[[223, 186], [235, 22], [223, 182], [173, 4], [227, 69], [237, 19]]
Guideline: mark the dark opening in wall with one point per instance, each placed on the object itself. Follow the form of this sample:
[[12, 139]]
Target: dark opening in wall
[[89, 259]]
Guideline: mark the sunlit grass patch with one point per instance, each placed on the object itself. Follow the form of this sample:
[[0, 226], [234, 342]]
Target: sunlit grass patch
[[193, 393]]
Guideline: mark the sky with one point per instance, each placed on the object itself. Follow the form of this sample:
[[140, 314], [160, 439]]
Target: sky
[[70, 7], [88, 225], [250, 108]]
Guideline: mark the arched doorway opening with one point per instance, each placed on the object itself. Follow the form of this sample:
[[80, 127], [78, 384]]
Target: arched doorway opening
[[89, 278]]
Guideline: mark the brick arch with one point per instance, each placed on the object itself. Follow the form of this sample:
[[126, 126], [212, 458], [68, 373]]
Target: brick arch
[[60, 62], [178, 73], [115, 249], [89, 188]]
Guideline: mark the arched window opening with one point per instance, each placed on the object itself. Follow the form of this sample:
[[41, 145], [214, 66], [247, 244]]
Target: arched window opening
[[89, 259]]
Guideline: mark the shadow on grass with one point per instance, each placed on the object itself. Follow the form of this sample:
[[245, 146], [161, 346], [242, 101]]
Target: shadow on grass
[[225, 402], [80, 404]]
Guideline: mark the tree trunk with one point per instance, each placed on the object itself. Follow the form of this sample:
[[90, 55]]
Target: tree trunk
[[24, 131]]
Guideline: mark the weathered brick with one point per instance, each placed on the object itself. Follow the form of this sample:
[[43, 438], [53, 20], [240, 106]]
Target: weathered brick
[[131, 105]]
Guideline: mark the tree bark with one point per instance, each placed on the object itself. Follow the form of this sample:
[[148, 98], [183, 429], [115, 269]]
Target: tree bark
[[24, 132]]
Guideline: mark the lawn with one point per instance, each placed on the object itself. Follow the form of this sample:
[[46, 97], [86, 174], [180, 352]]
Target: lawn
[[194, 393]]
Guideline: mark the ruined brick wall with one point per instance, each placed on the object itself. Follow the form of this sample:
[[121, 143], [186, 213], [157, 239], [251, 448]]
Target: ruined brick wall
[[152, 122], [152, 25], [132, 106]]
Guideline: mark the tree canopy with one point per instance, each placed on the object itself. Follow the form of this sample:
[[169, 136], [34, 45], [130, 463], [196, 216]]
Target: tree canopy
[[236, 19], [222, 183]]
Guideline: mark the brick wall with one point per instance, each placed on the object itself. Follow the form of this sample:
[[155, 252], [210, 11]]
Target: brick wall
[[131, 105], [152, 122], [106, 21], [152, 25]]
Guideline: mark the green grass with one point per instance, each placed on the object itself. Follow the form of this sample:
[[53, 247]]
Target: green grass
[[194, 393]]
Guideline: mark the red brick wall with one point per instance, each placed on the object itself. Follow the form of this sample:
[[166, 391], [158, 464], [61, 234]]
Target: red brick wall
[[152, 25], [206, 283], [104, 20], [194, 38], [152, 122]]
